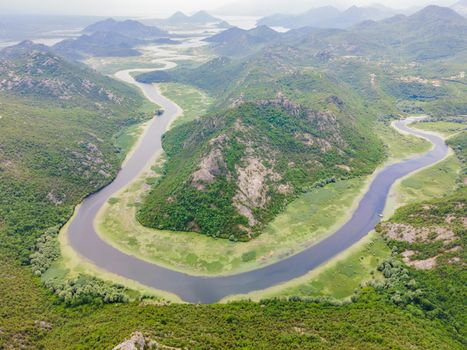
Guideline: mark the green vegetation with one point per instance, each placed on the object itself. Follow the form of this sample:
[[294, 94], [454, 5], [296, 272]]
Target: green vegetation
[[57, 127], [434, 284], [233, 173], [31, 318], [336, 280], [193, 102], [307, 219], [433, 182]]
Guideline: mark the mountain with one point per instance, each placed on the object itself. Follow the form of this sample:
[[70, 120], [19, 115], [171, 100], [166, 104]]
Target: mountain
[[24, 47], [460, 7], [431, 33], [99, 44], [129, 28], [30, 69], [231, 173], [240, 42], [318, 17], [200, 18], [58, 121], [329, 17]]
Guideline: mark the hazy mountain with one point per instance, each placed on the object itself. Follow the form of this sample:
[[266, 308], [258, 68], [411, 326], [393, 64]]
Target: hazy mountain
[[318, 17], [24, 47], [200, 18], [329, 17], [431, 33], [237, 41], [21, 27], [100, 44], [354, 15], [460, 7], [129, 28]]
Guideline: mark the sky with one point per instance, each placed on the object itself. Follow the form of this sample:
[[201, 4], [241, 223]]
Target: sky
[[161, 8]]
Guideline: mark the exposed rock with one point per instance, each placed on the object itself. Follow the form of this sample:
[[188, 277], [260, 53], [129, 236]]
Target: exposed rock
[[136, 342], [411, 234], [426, 264], [212, 165], [55, 198]]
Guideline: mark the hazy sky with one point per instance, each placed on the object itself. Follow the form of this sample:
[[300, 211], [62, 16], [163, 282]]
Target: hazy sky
[[154, 8]]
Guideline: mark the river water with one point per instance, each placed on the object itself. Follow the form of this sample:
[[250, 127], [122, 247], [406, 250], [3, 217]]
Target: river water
[[84, 239]]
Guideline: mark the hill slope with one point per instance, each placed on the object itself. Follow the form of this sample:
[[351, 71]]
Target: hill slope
[[229, 174], [57, 125], [240, 42]]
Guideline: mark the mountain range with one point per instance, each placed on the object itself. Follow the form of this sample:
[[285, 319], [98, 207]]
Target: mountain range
[[328, 17], [129, 28], [111, 38], [179, 19], [430, 33]]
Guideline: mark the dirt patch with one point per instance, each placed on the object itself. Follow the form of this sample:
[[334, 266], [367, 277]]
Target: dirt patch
[[411, 234], [426, 264]]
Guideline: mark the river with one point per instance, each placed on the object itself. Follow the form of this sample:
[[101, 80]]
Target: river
[[84, 239]]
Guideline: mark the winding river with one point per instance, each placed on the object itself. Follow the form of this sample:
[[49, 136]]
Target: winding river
[[84, 239]]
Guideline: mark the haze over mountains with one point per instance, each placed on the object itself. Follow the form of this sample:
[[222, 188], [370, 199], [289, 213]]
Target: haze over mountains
[[112, 38], [179, 18], [329, 17], [430, 33]]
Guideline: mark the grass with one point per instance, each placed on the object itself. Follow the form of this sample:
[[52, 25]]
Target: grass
[[112, 65], [430, 183], [304, 222], [400, 147], [194, 102], [337, 278], [433, 182], [447, 129]]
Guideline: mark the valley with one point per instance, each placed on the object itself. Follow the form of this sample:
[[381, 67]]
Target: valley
[[182, 183]]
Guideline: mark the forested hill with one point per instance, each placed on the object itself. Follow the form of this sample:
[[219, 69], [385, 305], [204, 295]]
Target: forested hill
[[231, 173], [56, 129]]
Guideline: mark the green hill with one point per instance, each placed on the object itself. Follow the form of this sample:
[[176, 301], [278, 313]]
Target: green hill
[[57, 125], [231, 173]]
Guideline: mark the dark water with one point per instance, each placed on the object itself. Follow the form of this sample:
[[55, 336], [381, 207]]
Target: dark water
[[84, 239]]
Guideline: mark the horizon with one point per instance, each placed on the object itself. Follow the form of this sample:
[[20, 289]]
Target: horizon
[[147, 9]]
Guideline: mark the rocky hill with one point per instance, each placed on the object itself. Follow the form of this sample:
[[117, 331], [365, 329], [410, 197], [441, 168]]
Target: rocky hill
[[34, 70], [231, 173]]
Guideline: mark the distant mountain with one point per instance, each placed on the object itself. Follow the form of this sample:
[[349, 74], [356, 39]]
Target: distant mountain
[[433, 32], [99, 44], [329, 17], [318, 17], [178, 19], [239, 42], [460, 7], [129, 28], [29, 69], [26, 46]]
